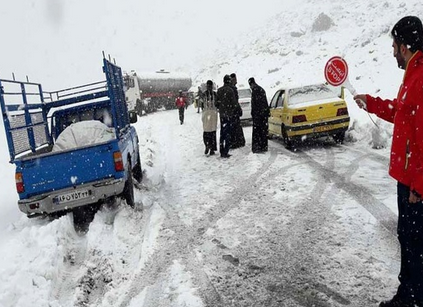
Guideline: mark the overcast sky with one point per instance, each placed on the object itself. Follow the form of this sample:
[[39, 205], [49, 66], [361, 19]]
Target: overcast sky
[[57, 41]]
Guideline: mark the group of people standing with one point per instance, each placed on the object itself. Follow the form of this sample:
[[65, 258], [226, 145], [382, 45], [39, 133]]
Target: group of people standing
[[226, 102]]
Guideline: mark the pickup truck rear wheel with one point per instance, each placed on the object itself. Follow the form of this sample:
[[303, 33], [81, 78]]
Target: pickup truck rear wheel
[[83, 216], [138, 170], [128, 190]]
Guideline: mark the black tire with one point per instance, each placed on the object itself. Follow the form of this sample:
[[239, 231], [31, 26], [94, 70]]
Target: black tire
[[128, 190], [83, 216], [339, 137], [139, 107], [286, 140], [137, 170], [148, 108]]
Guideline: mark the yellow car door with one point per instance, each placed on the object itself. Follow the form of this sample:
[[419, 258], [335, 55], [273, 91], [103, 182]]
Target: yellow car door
[[276, 113]]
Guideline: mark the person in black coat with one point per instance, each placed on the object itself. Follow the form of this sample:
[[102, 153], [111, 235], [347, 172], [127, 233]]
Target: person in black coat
[[226, 103], [260, 114], [237, 137]]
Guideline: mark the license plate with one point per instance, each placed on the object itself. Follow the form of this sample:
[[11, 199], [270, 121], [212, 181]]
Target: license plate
[[323, 128], [72, 196]]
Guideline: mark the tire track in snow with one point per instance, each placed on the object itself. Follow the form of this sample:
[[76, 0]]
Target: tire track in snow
[[363, 196], [360, 193], [95, 263], [368, 154], [299, 284], [257, 283], [114, 252], [74, 249], [187, 239]]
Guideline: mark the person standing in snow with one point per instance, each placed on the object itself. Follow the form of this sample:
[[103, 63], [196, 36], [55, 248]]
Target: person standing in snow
[[199, 99], [237, 137], [226, 103], [180, 104], [209, 118], [260, 115], [406, 163]]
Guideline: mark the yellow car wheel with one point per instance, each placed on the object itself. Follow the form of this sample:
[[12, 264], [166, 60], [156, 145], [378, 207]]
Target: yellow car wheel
[[339, 137], [286, 140]]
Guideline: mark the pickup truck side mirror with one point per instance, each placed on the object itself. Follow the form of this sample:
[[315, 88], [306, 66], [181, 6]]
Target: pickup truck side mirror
[[133, 117]]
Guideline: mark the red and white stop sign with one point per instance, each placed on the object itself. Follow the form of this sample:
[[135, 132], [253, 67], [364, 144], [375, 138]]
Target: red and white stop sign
[[336, 71]]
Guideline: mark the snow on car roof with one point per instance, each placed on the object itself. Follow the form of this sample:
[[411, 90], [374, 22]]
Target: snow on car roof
[[316, 93], [310, 103]]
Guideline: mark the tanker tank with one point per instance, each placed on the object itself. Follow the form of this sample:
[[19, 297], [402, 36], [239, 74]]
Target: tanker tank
[[163, 82], [150, 91]]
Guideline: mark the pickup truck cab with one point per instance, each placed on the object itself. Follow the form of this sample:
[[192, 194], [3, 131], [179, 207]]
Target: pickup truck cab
[[50, 179], [298, 113]]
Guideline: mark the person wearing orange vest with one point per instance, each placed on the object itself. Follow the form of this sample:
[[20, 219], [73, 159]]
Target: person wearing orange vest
[[180, 104], [406, 163]]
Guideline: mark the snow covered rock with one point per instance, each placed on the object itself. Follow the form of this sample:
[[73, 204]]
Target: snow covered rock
[[322, 23]]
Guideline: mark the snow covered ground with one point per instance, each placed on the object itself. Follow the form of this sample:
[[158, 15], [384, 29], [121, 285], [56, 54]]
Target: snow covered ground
[[312, 227]]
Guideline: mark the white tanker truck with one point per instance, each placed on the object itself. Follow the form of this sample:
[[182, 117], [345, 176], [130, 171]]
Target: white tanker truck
[[147, 92]]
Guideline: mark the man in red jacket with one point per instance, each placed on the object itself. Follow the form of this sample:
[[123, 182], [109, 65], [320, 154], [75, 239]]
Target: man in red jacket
[[180, 104], [406, 164]]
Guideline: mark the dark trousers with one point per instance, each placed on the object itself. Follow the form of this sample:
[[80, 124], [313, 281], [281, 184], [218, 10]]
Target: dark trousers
[[260, 131], [225, 135], [181, 114], [237, 135], [410, 236], [209, 139]]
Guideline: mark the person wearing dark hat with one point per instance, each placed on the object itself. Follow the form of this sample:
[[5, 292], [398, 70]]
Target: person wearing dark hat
[[209, 118], [406, 164], [226, 103], [237, 137], [260, 115], [180, 104]]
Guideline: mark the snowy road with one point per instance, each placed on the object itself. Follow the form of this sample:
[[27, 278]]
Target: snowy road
[[311, 227]]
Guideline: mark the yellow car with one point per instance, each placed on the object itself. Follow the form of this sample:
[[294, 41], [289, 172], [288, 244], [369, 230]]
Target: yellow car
[[308, 111]]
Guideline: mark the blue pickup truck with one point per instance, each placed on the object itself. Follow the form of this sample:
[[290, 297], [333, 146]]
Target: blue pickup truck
[[50, 179]]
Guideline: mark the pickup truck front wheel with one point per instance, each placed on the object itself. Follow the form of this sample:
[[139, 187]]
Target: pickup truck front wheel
[[128, 190]]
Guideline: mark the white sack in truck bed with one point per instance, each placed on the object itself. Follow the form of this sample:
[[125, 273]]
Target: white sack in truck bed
[[84, 133]]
